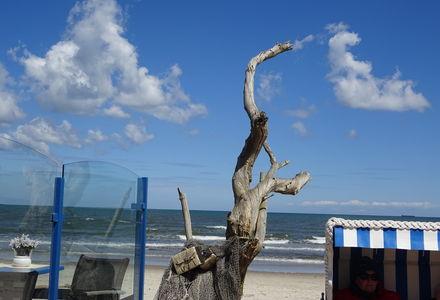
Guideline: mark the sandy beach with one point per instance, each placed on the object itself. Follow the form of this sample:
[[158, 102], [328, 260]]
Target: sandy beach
[[260, 285]]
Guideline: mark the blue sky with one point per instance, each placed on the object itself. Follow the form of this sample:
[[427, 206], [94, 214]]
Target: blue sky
[[157, 87]]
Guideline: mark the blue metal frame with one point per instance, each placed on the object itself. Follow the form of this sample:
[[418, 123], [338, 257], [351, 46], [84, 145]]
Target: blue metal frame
[[55, 248], [141, 226]]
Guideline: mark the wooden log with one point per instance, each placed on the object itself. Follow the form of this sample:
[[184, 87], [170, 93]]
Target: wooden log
[[186, 215]]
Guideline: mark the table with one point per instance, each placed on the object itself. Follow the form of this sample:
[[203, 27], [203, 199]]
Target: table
[[40, 269]]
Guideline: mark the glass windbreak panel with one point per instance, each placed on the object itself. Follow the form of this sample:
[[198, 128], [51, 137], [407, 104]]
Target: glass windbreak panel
[[26, 201], [98, 239]]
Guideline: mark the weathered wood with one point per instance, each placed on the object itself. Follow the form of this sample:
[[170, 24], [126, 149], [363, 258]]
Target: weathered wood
[[209, 262], [186, 215], [247, 219]]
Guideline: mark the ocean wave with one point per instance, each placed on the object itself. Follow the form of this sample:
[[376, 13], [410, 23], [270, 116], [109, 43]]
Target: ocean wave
[[275, 242], [204, 237], [316, 240], [295, 249], [90, 219], [164, 245], [42, 242], [217, 227], [126, 222], [291, 260], [100, 244]]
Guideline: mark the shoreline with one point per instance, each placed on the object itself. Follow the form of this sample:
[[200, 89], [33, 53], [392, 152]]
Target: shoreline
[[258, 285], [260, 266]]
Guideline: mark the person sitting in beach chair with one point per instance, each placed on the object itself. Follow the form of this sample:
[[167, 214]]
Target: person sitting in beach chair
[[366, 284]]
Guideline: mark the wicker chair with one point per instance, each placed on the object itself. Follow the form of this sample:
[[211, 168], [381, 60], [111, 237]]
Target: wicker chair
[[17, 286], [95, 278]]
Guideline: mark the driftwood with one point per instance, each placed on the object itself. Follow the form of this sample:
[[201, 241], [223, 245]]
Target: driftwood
[[186, 215], [247, 220]]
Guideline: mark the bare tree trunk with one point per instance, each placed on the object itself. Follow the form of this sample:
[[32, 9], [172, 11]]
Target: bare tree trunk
[[247, 220], [218, 272]]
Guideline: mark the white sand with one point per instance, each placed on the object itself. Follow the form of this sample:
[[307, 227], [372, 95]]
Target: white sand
[[260, 285]]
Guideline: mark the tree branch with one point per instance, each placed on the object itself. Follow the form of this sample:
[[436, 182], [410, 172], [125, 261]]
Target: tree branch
[[269, 152], [243, 171], [186, 215], [249, 102], [290, 186]]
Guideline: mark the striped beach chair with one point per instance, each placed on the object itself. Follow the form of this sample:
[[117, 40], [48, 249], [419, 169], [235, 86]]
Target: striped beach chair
[[407, 254]]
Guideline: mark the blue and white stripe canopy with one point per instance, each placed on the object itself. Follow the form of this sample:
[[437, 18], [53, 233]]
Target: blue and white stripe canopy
[[387, 238], [407, 254]]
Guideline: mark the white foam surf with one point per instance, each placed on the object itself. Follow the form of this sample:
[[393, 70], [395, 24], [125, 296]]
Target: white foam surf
[[291, 260], [204, 237], [275, 242], [217, 227], [316, 240]]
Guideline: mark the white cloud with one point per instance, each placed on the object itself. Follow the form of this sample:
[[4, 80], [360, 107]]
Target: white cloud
[[403, 204], [356, 86], [336, 27], [95, 64], [95, 136], [137, 134], [269, 86], [9, 110], [357, 203], [300, 128], [299, 44], [39, 134], [6, 142], [115, 112], [352, 134], [302, 113], [319, 203], [354, 203]]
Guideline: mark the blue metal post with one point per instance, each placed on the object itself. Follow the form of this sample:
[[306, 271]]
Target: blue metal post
[[55, 246], [141, 230]]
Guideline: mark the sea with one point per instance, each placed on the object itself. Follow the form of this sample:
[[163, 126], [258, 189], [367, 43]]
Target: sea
[[295, 243]]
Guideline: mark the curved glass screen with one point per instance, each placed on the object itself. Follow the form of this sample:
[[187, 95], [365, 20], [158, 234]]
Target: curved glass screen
[[26, 201], [99, 228]]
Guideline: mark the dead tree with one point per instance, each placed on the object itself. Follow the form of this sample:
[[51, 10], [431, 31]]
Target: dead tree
[[246, 223], [247, 219]]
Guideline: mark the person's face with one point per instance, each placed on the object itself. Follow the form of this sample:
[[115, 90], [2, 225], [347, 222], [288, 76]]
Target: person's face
[[367, 282]]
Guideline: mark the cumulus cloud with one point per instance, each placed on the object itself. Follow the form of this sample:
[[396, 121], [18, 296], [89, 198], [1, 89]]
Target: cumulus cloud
[[94, 136], [336, 27], [269, 86], [6, 142], [137, 134], [357, 203], [39, 134], [115, 112], [9, 110], [356, 86], [94, 65], [300, 128]]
